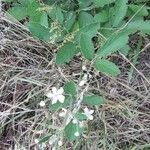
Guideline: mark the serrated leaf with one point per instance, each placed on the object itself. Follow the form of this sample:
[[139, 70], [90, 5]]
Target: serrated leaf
[[84, 3], [119, 12], [142, 10], [138, 25], [85, 19], [86, 46], [101, 17], [18, 12], [65, 53], [102, 3], [70, 88], [39, 31], [70, 130], [80, 116], [107, 67], [125, 50], [114, 43], [90, 30], [59, 15], [44, 20], [93, 100], [70, 20]]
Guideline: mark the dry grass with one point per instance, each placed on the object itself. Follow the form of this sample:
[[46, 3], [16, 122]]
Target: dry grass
[[27, 69]]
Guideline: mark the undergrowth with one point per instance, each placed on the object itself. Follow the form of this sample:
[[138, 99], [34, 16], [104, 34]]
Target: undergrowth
[[81, 81]]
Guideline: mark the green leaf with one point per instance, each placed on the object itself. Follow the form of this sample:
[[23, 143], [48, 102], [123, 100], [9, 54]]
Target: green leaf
[[85, 19], [119, 12], [138, 25], [39, 31], [65, 53], [107, 67], [80, 116], [70, 130], [102, 3], [114, 43], [86, 46], [142, 10], [18, 12], [70, 88], [93, 100], [101, 17], [125, 50], [84, 3], [59, 15], [44, 20], [90, 30], [70, 20]]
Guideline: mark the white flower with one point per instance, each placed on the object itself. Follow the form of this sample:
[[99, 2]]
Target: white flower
[[90, 76], [63, 112], [82, 82], [56, 95], [74, 121], [83, 67], [88, 113], [81, 124], [76, 133], [36, 141], [42, 103], [60, 143]]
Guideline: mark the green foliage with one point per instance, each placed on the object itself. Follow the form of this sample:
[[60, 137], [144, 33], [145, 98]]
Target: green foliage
[[70, 131], [106, 67], [86, 46], [65, 53], [70, 88], [119, 12], [93, 29], [43, 32], [93, 100]]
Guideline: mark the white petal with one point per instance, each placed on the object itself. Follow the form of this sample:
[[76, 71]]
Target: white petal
[[54, 100], [54, 90], [90, 117], [63, 112], [60, 143], [74, 121], [49, 94], [91, 111], [60, 91], [82, 82], [42, 103], [86, 110], [81, 124], [36, 141], [83, 67], [90, 76], [61, 98], [76, 133]]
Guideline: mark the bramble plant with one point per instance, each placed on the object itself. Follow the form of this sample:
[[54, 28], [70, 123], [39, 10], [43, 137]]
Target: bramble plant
[[92, 28]]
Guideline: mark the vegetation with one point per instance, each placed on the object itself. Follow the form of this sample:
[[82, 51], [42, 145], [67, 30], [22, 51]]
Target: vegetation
[[90, 39]]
